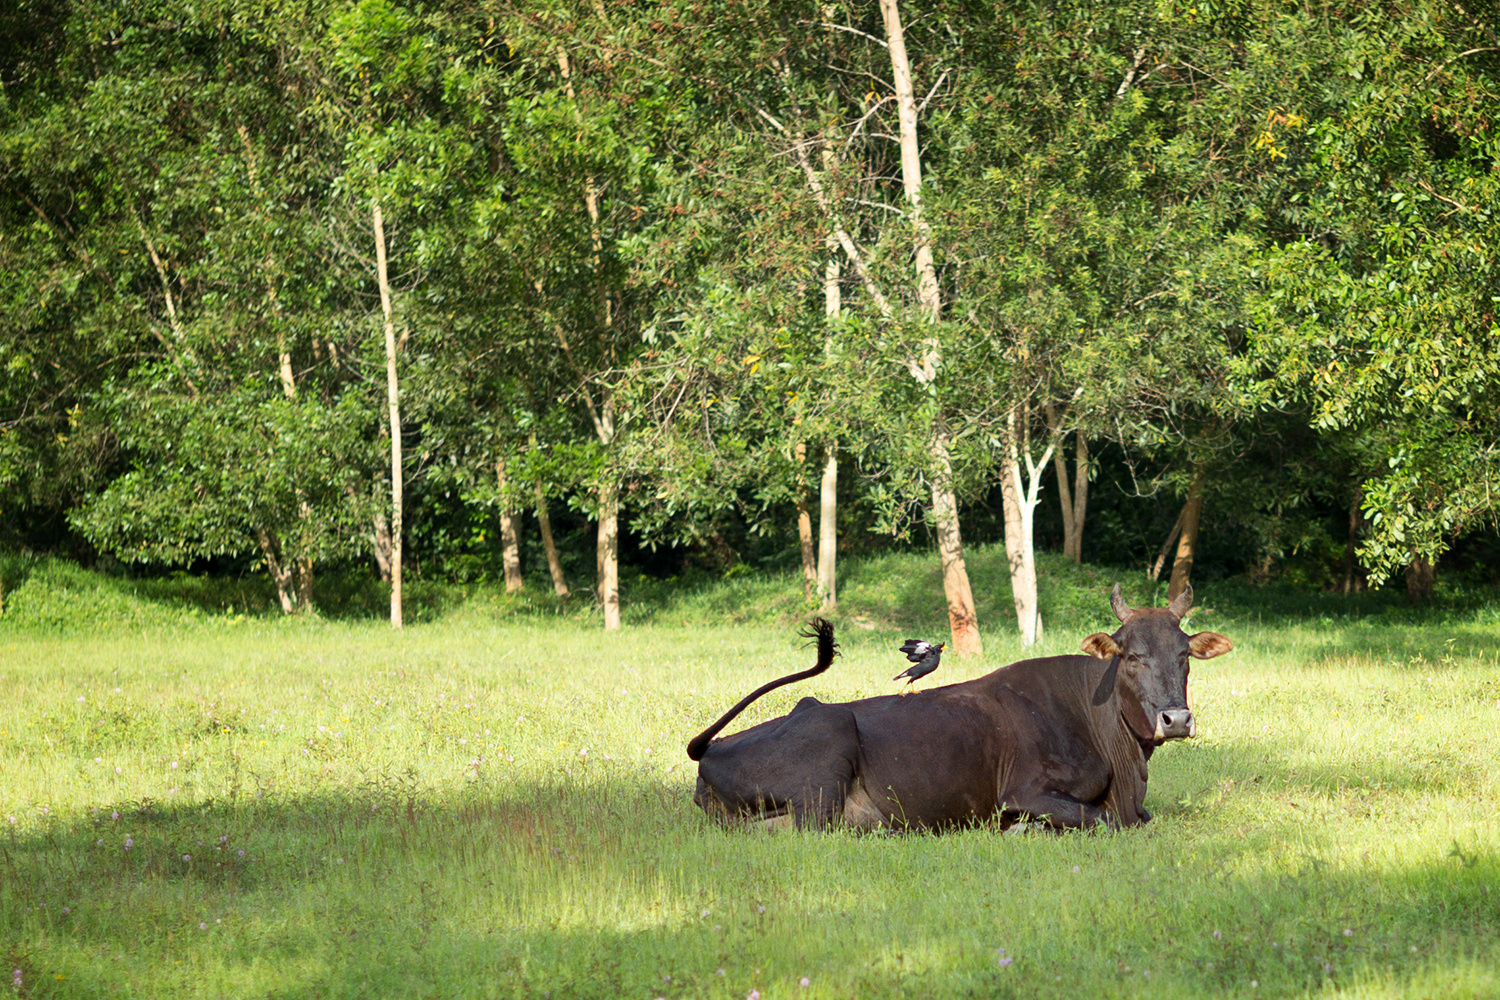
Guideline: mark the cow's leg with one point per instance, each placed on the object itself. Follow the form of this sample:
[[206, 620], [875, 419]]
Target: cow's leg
[[1059, 812], [802, 767]]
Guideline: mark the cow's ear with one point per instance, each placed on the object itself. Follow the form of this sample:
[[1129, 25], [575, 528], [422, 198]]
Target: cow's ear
[[1101, 646], [1207, 645]]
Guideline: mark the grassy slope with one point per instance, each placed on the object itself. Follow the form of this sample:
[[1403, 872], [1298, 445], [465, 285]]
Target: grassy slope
[[1345, 778]]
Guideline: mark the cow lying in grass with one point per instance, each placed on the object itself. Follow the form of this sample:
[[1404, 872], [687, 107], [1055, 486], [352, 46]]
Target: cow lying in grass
[[1060, 739]]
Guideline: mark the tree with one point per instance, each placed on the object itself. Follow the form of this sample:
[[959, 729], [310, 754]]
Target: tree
[[1377, 312]]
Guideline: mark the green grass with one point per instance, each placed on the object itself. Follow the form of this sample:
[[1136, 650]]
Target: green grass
[[418, 817]]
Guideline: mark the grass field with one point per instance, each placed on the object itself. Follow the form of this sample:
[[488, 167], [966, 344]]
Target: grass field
[[206, 803]]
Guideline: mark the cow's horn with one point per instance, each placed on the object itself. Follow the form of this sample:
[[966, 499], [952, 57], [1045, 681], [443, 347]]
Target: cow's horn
[[1181, 604], [1117, 604]]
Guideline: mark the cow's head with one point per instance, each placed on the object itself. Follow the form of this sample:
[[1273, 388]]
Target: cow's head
[[1151, 671]]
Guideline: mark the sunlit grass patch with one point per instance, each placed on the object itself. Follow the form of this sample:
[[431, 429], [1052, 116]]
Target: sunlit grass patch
[[502, 807]]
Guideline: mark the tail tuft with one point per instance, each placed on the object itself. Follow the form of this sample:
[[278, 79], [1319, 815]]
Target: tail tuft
[[820, 630]]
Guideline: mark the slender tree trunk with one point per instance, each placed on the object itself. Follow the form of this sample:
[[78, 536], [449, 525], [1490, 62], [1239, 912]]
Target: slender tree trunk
[[1074, 498], [1020, 491], [1022, 564], [281, 575], [554, 564], [826, 568], [381, 537], [1166, 546], [804, 525], [911, 160], [961, 613], [609, 555], [1080, 499], [1182, 568], [607, 581], [962, 622], [510, 536], [393, 406], [1420, 576], [828, 528], [1354, 577]]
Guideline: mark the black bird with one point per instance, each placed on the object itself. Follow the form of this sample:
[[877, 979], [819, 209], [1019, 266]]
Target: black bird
[[924, 657]]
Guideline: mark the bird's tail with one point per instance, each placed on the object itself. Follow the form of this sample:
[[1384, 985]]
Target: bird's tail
[[820, 630]]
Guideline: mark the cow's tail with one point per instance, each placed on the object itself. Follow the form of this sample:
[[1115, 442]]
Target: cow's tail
[[819, 630]]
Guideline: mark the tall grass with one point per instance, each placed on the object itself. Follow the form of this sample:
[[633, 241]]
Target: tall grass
[[496, 803]]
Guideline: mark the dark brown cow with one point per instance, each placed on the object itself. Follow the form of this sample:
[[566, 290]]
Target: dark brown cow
[[1061, 739]]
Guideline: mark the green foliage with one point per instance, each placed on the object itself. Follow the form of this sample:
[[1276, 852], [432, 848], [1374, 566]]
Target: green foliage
[[1377, 312], [610, 263]]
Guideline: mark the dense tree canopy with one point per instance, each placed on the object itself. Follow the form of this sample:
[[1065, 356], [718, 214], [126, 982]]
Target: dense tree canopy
[[281, 280]]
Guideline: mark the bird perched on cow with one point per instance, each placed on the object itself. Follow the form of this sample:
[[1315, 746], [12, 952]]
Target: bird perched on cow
[[924, 657]]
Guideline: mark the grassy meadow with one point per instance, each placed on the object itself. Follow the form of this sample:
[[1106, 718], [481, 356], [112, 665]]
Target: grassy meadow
[[200, 800]]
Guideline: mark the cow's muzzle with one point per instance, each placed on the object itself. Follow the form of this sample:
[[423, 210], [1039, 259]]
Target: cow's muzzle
[[1175, 724]]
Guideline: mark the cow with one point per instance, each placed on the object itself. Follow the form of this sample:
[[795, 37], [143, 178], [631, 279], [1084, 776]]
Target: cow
[[1061, 741]]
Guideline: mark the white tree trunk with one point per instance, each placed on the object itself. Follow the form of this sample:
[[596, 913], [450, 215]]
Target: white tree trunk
[[609, 555], [828, 529], [393, 405], [510, 536], [961, 613], [1020, 490]]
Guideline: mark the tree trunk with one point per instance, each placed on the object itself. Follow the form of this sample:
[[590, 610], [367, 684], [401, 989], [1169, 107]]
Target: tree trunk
[[1354, 577], [609, 554], [1019, 497], [1182, 568], [828, 528], [510, 536], [1080, 499], [381, 537], [962, 622], [804, 526], [554, 564], [911, 161], [1073, 498], [961, 615], [1166, 547], [303, 567], [281, 575], [1420, 575], [393, 406], [1022, 567]]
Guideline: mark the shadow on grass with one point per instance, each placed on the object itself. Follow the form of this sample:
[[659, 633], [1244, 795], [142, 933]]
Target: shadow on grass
[[607, 886]]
